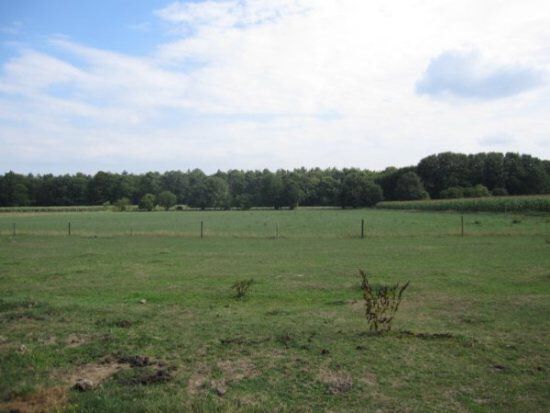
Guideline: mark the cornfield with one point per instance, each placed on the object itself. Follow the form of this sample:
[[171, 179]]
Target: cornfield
[[539, 203]]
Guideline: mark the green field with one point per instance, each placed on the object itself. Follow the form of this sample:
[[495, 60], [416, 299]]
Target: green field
[[472, 334]]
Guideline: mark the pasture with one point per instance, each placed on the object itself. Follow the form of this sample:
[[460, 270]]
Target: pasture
[[142, 306]]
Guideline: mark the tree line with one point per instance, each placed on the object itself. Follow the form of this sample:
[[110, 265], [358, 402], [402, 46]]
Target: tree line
[[444, 175]]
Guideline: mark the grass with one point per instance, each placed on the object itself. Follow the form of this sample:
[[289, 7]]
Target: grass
[[472, 333], [514, 204]]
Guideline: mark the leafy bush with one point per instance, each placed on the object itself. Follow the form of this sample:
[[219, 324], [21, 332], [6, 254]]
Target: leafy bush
[[477, 191], [381, 303], [452, 192], [166, 199], [409, 187], [241, 288], [122, 204], [147, 202]]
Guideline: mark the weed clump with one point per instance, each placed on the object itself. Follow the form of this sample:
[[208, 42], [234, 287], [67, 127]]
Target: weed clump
[[241, 288], [381, 303]]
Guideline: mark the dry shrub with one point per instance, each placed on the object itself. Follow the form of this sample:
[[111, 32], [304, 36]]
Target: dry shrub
[[241, 288], [381, 303]]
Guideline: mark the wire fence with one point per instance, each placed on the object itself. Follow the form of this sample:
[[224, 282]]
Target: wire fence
[[273, 224]]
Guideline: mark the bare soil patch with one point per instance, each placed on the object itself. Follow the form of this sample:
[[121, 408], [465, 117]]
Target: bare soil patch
[[43, 401], [337, 382]]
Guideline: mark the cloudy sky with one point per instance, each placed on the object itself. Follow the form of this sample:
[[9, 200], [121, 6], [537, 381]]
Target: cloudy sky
[[252, 84]]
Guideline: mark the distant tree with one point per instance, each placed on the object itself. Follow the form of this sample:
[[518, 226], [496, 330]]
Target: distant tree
[[291, 193], [149, 184], [493, 171], [328, 190], [166, 199], [14, 190], [359, 191], [272, 188], [452, 192], [122, 204], [147, 202], [210, 192], [477, 191], [410, 187]]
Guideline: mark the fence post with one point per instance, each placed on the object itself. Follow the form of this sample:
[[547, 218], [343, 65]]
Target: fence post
[[202, 229], [69, 229], [362, 228], [462, 225]]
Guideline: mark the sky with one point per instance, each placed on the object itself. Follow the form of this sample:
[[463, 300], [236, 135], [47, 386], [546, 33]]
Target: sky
[[251, 84]]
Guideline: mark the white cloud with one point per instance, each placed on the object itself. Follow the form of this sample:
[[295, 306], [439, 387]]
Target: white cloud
[[278, 83]]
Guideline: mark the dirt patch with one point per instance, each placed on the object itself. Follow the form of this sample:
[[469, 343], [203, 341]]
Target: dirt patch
[[231, 371], [136, 361], [95, 372], [199, 379], [369, 379], [76, 340], [56, 398], [243, 341], [49, 341], [337, 382], [424, 336], [145, 376], [236, 370], [44, 400], [144, 371]]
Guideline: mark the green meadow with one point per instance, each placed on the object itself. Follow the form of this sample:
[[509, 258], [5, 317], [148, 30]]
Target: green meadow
[[141, 305]]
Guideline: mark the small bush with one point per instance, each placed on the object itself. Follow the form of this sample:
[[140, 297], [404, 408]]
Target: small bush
[[147, 202], [167, 200], [381, 303], [241, 288], [452, 193], [122, 204]]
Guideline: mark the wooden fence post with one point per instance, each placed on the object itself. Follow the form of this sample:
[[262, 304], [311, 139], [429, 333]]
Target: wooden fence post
[[462, 226], [202, 229], [362, 228], [69, 229]]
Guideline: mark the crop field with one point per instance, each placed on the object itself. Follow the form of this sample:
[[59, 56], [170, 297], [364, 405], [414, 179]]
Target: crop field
[[514, 204], [142, 307]]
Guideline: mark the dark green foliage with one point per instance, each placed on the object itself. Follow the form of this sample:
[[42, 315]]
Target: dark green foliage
[[499, 192], [409, 187], [147, 202], [210, 192], [241, 288], [477, 191], [166, 199], [452, 193], [381, 303], [358, 190], [438, 175]]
